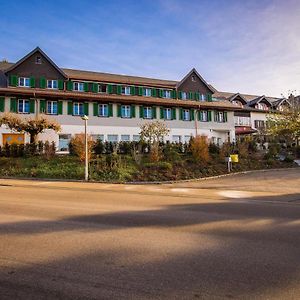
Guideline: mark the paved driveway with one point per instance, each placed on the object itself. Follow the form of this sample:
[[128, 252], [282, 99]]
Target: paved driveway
[[235, 237]]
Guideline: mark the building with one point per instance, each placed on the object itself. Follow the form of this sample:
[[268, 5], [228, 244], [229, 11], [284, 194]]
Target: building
[[252, 117], [116, 104]]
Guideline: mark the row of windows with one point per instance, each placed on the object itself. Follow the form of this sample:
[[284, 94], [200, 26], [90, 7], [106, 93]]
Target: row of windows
[[26, 106], [79, 86], [242, 121]]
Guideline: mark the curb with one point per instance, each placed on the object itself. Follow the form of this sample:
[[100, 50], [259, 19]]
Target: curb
[[148, 182]]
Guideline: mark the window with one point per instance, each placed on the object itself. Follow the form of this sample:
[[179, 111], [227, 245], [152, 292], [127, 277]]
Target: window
[[97, 137], [125, 111], [187, 138], [78, 86], [24, 82], [78, 109], [241, 121], [102, 88], [186, 115], [38, 60], [184, 95], [176, 138], [167, 113], [193, 78], [52, 84], [103, 110], [203, 97], [52, 107], [203, 116], [23, 106], [136, 138], [220, 117], [262, 106], [126, 90], [112, 138], [237, 103], [147, 92], [125, 137], [148, 112], [260, 124], [63, 142], [166, 94]]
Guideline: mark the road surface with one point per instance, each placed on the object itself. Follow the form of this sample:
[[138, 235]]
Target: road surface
[[229, 238]]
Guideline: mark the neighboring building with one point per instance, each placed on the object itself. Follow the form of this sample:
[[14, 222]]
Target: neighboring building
[[116, 104], [254, 110]]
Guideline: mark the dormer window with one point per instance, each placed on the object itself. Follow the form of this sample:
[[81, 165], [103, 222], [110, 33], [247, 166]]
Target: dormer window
[[24, 82], [52, 84], [78, 86], [237, 103], [38, 60], [262, 106], [184, 95], [203, 97]]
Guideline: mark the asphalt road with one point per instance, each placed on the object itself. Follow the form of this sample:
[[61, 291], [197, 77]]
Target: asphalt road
[[229, 238]]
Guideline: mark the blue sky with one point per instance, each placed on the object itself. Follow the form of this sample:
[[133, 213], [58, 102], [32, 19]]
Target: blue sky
[[239, 46]]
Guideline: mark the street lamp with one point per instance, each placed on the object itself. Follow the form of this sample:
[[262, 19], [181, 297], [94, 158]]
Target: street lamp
[[86, 171]]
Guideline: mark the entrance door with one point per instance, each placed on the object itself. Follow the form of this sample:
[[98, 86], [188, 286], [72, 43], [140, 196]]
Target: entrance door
[[13, 138]]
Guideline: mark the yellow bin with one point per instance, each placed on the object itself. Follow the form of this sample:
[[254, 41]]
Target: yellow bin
[[234, 158]]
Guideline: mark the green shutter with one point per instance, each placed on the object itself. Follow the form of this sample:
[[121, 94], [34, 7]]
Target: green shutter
[[95, 109], [160, 93], [191, 95], [13, 105], [141, 112], [86, 86], [119, 114], [119, 89], [60, 84], [42, 106], [180, 114], [209, 97], [192, 113], [132, 90], [180, 95], [110, 110], [199, 115], [154, 112], [196, 96], [174, 113], [109, 89], [225, 116], [60, 107], [140, 91], [32, 82], [2, 103], [42, 82], [70, 85], [173, 94], [13, 80], [86, 108], [70, 108], [209, 116], [32, 106], [162, 113], [154, 93], [132, 110], [95, 87]]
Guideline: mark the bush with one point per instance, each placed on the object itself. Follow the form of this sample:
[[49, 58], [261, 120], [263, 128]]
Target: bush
[[77, 146], [199, 149]]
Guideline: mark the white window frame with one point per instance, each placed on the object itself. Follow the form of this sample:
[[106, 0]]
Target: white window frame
[[203, 116], [80, 106], [167, 94], [24, 101], [99, 88], [24, 82], [184, 95], [220, 117], [52, 103], [78, 86], [186, 115], [167, 113], [125, 138], [126, 90], [147, 92], [103, 110], [115, 138], [136, 137], [203, 97], [147, 112], [125, 111], [53, 84]]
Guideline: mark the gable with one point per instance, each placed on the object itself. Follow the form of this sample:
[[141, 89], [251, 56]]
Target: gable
[[36, 64], [193, 82]]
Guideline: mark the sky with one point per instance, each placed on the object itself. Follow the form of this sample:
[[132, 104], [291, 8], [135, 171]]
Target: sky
[[246, 46]]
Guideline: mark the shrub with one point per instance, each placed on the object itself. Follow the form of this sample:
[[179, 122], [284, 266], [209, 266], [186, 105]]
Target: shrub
[[77, 144], [199, 149]]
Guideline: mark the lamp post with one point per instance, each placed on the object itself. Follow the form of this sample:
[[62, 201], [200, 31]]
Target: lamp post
[[86, 170]]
